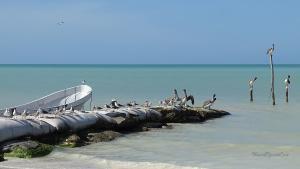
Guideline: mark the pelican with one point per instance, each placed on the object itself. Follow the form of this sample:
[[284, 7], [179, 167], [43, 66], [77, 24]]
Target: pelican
[[107, 106], [207, 104], [287, 81], [147, 104], [83, 81], [24, 113], [251, 82], [115, 103], [38, 112], [15, 113], [186, 98], [271, 50], [131, 104], [71, 109], [171, 100], [164, 102], [176, 98], [7, 113]]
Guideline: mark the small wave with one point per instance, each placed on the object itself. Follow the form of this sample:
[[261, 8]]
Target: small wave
[[94, 162]]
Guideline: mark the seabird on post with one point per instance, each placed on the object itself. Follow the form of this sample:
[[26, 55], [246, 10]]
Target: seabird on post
[[251, 84], [271, 50], [287, 81], [207, 104]]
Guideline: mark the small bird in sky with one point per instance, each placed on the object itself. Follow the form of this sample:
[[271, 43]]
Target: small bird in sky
[[60, 23]]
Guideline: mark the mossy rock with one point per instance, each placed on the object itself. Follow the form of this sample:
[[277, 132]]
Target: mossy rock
[[188, 115], [1, 156], [29, 152], [72, 141], [104, 136]]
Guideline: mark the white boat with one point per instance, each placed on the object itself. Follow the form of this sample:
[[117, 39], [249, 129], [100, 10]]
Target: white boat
[[74, 97]]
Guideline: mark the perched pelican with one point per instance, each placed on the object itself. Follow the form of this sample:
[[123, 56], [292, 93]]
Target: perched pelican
[[147, 104], [251, 82], [115, 104], [287, 81], [38, 112], [24, 113], [169, 101], [186, 98], [176, 98], [176, 95], [15, 113], [83, 81], [164, 102], [131, 104], [207, 104], [107, 106], [7, 113], [271, 50]]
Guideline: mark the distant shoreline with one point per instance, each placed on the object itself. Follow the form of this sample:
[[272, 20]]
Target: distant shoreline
[[148, 65]]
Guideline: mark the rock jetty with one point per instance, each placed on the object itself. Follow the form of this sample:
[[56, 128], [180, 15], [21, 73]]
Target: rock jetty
[[79, 128]]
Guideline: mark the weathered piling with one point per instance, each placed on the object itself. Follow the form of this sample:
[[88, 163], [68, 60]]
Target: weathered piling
[[270, 53], [251, 85]]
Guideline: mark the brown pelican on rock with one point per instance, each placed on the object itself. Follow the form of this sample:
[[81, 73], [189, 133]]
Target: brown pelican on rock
[[186, 98], [208, 103]]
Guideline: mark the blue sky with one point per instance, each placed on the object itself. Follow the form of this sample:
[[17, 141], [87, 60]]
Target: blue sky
[[149, 31]]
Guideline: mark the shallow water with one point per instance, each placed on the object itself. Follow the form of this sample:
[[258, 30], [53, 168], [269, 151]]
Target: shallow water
[[256, 135]]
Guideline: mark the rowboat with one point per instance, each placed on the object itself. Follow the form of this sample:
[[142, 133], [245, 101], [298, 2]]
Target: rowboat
[[74, 97]]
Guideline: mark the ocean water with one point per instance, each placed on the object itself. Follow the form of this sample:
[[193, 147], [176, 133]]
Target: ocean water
[[256, 136]]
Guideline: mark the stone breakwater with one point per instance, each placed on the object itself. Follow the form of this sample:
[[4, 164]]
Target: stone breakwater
[[76, 128]]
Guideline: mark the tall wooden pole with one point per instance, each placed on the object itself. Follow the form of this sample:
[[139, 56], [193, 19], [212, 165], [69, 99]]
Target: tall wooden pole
[[251, 94], [251, 84], [272, 79], [287, 83], [287, 94]]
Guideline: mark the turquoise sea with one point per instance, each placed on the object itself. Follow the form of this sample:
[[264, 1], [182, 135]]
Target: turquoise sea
[[256, 136]]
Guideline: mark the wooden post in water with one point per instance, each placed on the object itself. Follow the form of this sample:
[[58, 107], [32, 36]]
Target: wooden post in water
[[287, 83], [270, 53], [251, 84]]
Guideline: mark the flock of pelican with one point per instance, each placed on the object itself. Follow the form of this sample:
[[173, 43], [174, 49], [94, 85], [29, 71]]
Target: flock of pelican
[[175, 100], [114, 104]]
